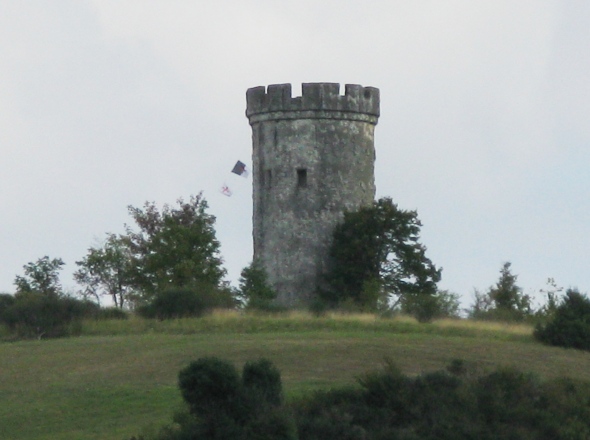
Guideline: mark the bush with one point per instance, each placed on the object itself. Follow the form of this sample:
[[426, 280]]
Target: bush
[[504, 404], [570, 326], [425, 308], [223, 405], [181, 302], [111, 313], [37, 315], [6, 301], [262, 383], [210, 386]]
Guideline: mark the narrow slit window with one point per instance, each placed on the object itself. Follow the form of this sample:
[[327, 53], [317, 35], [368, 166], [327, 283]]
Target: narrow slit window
[[268, 178], [301, 177]]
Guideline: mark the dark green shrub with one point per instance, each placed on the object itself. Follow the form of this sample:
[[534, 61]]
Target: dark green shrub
[[181, 302], [6, 301], [570, 325], [37, 315], [210, 387], [273, 424], [507, 401], [504, 404], [425, 307], [262, 382], [332, 415], [112, 313], [388, 390]]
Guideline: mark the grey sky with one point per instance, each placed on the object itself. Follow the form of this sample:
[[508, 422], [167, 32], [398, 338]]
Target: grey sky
[[484, 120]]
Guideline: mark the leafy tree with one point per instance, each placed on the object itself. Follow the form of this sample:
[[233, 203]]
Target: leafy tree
[[570, 325], [176, 247], [107, 270], [376, 255], [504, 301], [443, 304], [506, 295], [41, 276], [547, 311], [254, 289]]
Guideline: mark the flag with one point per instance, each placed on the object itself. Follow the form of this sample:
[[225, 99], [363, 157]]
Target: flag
[[225, 190], [240, 169]]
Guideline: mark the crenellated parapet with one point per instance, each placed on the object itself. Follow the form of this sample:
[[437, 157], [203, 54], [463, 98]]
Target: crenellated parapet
[[317, 101]]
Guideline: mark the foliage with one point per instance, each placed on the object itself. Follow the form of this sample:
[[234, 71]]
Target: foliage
[[223, 405], [254, 290], [425, 308], [262, 382], [505, 403], [376, 255], [37, 315], [40, 308], [210, 386], [570, 324], [504, 302], [41, 276], [107, 270], [452, 404], [111, 313], [176, 247], [6, 301], [547, 311], [181, 302]]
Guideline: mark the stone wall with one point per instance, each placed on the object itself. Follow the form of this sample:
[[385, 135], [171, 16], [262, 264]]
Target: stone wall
[[313, 158]]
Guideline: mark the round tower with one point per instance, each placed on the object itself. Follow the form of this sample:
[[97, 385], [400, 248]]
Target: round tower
[[313, 158]]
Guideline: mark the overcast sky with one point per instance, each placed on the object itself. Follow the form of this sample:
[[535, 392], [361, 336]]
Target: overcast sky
[[484, 126]]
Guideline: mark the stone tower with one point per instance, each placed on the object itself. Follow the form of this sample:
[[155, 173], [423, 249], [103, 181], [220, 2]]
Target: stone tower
[[313, 158]]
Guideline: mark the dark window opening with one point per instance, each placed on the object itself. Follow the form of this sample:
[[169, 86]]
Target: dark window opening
[[267, 176], [301, 177]]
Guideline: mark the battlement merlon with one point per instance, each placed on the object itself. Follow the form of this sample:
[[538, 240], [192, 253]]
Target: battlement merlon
[[317, 101]]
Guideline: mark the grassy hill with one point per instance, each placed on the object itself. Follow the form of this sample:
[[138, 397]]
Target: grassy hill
[[119, 377]]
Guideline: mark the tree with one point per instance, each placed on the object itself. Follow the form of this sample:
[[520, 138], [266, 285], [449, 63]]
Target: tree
[[106, 270], [254, 289], [570, 323], [547, 311], [176, 247], [41, 276], [376, 254], [504, 301]]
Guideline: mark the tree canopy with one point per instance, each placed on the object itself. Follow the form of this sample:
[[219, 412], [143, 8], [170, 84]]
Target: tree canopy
[[107, 270], [41, 276], [174, 247], [254, 291], [376, 254], [504, 301]]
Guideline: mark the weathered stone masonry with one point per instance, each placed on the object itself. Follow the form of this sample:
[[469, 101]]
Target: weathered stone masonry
[[313, 158]]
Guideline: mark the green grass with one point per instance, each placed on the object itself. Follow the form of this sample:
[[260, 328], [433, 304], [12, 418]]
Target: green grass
[[120, 376]]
